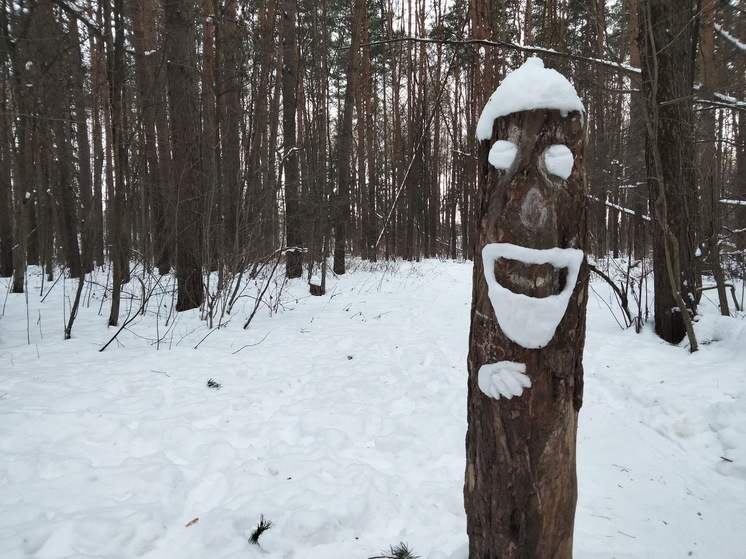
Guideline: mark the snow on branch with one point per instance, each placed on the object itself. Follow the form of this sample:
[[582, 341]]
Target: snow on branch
[[733, 202], [81, 15], [618, 207], [721, 100], [733, 40], [621, 66]]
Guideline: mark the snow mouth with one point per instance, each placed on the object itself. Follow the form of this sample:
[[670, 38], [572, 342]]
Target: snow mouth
[[529, 289]]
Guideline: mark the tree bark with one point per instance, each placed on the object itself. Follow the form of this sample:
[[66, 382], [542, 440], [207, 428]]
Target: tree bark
[[185, 135], [521, 489], [118, 232], [151, 101], [85, 179], [344, 148], [6, 188], [709, 186], [294, 256], [667, 86], [229, 102]]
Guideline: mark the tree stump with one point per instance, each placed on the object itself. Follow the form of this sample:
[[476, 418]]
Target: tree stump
[[527, 332]]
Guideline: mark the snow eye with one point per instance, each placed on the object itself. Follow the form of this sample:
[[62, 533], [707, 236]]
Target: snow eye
[[559, 160], [502, 154]]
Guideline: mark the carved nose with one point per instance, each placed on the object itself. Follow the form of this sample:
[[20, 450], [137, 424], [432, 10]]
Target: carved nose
[[534, 212]]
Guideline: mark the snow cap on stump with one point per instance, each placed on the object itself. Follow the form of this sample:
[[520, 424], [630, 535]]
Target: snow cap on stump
[[529, 87]]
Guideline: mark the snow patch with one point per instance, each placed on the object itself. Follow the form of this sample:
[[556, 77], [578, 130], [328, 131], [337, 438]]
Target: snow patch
[[530, 321], [559, 160], [502, 154], [504, 378], [529, 87]]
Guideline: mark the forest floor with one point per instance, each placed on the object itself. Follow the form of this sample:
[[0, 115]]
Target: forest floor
[[341, 419]]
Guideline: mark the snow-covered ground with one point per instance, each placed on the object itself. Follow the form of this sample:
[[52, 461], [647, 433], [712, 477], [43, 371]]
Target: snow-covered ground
[[341, 419]]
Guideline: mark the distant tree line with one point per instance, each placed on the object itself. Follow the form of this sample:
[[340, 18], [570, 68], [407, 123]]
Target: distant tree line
[[194, 136]]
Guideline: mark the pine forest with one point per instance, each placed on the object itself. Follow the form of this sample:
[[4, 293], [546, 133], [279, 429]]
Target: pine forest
[[219, 139]]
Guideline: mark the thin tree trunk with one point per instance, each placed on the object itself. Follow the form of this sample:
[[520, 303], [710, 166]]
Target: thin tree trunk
[[6, 186], [118, 233], [709, 187], [85, 178], [344, 149], [149, 99], [294, 256]]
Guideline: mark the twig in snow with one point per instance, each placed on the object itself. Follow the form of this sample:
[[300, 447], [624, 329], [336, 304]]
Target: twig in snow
[[401, 551], [262, 527], [213, 384], [250, 345]]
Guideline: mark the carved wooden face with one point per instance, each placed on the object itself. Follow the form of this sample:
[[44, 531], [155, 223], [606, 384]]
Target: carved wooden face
[[532, 242], [532, 255], [533, 154]]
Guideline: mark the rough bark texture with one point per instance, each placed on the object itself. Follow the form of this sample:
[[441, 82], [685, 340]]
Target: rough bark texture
[[521, 489], [185, 135], [6, 193], [294, 257], [344, 148], [667, 81]]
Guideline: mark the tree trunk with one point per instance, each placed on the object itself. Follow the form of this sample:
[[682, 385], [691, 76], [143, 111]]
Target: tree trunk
[[667, 84], [209, 148], [709, 186], [344, 148], [150, 103], [85, 179], [229, 102], [525, 386], [118, 232], [294, 256], [6, 188], [185, 136]]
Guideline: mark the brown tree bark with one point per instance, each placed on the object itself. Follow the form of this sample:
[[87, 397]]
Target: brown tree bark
[[370, 104], [6, 186], [209, 145], [85, 178], [666, 35], [99, 102], [294, 256], [708, 168], [344, 147], [521, 489], [230, 115], [183, 98], [151, 104], [636, 141], [118, 231]]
